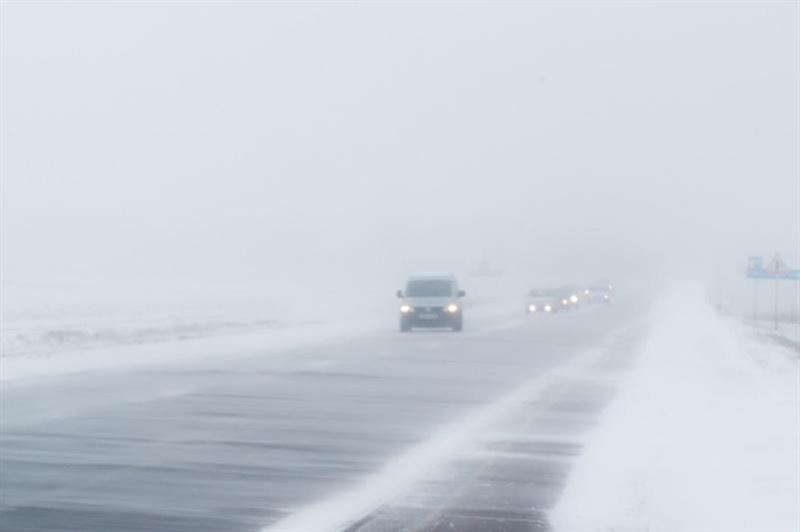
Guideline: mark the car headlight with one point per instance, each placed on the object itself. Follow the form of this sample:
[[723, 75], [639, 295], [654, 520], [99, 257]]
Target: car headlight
[[452, 307], [532, 308], [574, 298], [586, 292], [564, 301], [405, 309], [548, 308]]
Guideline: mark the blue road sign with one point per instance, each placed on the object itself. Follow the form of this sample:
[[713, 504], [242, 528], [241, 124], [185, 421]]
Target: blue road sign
[[776, 270], [763, 273]]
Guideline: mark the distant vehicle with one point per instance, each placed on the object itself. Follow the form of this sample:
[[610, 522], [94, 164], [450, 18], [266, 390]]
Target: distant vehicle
[[546, 301], [605, 284], [600, 293], [574, 295], [431, 301], [568, 298]]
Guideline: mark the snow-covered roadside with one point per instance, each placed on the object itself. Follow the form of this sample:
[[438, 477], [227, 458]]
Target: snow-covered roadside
[[48, 338], [704, 436], [128, 353], [60, 328], [54, 330], [125, 357], [53, 318], [787, 333]]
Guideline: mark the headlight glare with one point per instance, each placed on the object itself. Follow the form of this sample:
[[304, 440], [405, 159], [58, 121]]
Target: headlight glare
[[452, 307], [405, 309]]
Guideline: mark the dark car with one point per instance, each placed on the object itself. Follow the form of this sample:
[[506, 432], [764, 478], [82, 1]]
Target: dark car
[[431, 301]]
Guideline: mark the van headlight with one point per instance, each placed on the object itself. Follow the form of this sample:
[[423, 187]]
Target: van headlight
[[452, 307], [405, 309], [574, 298], [548, 308], [531, 308]]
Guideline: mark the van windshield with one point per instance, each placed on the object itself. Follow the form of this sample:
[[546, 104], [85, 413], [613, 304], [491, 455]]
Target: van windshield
[[429, 288]]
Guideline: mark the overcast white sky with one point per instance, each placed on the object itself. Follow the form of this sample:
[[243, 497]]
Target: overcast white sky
[[245, 140]]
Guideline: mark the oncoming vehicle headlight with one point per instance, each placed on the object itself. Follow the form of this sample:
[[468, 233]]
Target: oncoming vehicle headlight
[[452, 307], [574, 298], [405, 309], [532, 308], [586, 291], [548, 308], [564, 301]]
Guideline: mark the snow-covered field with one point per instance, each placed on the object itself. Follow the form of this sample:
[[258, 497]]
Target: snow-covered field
[[58, 328], [55, 328], [704, 436], [51, 318]]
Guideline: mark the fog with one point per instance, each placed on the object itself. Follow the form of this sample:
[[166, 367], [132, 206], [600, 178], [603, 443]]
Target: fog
[[318, 144], [211, 218]]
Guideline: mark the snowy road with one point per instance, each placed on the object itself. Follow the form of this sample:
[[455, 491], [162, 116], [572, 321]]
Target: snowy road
[[424, 431]]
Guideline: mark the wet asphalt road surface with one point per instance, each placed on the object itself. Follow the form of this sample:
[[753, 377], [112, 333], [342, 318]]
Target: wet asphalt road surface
[[240, 443]]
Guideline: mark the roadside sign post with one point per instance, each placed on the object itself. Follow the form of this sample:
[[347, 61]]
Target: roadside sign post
[[776, 268], [776, 304], [754, 264], [755, 300]]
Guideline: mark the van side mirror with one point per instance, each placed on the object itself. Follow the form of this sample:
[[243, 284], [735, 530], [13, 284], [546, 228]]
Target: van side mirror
[[461, 293], [400, 293]]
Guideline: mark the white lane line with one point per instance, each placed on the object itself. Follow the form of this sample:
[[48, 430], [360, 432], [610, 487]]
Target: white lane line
[[399, 473]]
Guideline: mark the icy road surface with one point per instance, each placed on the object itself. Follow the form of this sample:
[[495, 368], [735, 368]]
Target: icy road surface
[[425, 431]]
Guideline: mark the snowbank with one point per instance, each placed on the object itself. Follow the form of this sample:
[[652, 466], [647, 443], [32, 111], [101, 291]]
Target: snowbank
[[787, 332], [705, 435]]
